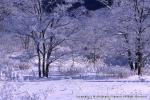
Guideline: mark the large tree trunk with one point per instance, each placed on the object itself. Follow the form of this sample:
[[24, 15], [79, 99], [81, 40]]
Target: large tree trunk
[[139, 70], [139, 62], [130, 61], [39, 63], [39, 68], [47, 63], [47, 56], [47, 70], [43, 63], [43, 67]]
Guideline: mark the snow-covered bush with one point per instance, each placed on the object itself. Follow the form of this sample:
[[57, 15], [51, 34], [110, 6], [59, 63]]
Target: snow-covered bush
[[24, 66], [116, 71], [70, 71]]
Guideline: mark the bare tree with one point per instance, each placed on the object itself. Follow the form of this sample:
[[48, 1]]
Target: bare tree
[[134, 27], [141, 13], [49, 30]]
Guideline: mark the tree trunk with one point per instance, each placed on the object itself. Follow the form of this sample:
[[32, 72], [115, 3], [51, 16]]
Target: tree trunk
[[43, 47], [39, 68], [139, 62], [130, 61], [39, 63], [43, 64], [43, 67], [139, 70], [47, 70]]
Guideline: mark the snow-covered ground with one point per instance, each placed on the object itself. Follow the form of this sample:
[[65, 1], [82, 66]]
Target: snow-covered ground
[[77, 89]]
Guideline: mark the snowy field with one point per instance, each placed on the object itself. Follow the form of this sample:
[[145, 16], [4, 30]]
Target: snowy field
[[87, 49], [131, 88]]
